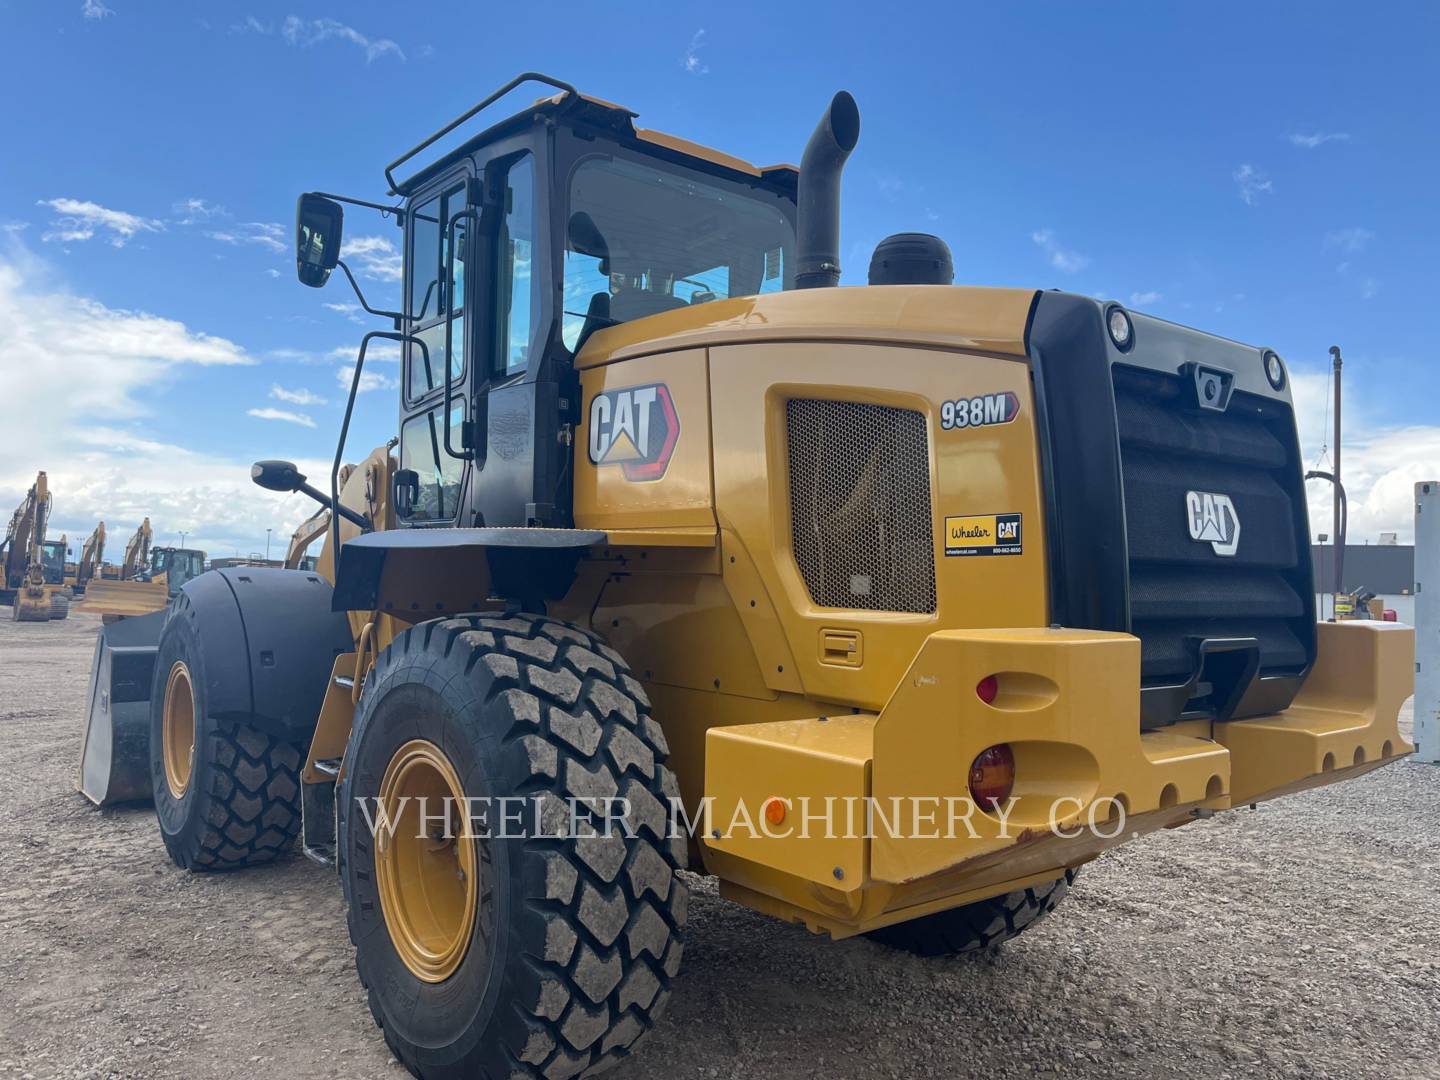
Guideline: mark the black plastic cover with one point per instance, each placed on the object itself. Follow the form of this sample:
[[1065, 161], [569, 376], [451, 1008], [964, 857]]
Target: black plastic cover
[[269, 639]]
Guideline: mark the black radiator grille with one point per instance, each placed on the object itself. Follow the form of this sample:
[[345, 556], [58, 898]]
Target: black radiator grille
[[861, 515], [1180, 589]]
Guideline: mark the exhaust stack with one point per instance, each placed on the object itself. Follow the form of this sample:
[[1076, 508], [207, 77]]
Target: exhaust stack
[[818, 240]]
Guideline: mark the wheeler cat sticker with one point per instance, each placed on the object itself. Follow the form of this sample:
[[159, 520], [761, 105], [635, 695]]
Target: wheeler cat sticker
[[998, 408], [636, 428], [983, 534]]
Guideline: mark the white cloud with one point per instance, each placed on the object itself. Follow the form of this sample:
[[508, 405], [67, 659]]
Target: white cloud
[[350, 311], [374, 256], [1381, 465], [1142, 299], [252, 25], [379, 351], [94, 9], [691, 61], [1252, 184], [281, 414], [1352, 239], [1317, 138], [193, 211], [295, 397], [1369, 289], [79, 219], [108, 367], [306, 32], [369, 379], [1062, 259], [272, 272], [261, 233]]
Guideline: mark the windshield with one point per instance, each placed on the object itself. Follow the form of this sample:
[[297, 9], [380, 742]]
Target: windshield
[[642, 239], [52, 559]]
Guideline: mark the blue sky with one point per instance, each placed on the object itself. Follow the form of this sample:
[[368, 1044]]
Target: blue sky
[[1265, 172]]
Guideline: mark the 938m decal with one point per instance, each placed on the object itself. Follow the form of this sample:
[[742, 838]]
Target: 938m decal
[[978, 411], [636, 428]]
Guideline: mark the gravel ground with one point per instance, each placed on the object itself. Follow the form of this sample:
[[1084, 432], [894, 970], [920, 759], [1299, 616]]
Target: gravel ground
[[1300, 940]]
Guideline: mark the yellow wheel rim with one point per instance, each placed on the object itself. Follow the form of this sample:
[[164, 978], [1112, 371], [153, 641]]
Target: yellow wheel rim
[[178, 721], [425, 861]]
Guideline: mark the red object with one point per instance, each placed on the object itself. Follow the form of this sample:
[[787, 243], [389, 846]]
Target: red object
[[992, 775], [987, 688], [1388, 615]]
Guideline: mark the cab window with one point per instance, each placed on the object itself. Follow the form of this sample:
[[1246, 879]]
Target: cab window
[[642, 239], [422, 448], [518, 284], [430, 296]]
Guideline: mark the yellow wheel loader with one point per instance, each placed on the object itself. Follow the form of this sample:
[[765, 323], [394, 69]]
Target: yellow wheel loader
[[888, 606], [34, 568], [149, 577]]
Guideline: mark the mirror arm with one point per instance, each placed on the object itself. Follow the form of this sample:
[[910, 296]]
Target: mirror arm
[[395, 315], [398, 211], [389, 335], [334, 507]]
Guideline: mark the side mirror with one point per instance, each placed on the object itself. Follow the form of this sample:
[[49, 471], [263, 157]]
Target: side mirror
[[319, 224], [407, 492], [277, 475]]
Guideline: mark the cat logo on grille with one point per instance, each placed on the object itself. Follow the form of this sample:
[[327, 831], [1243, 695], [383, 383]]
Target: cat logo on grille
[[1212, 519], [636, 428]]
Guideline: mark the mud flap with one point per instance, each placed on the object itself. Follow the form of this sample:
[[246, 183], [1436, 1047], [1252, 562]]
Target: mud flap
[[115, 760]]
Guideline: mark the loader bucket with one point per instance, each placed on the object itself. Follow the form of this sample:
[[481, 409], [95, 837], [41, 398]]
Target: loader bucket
[[115, 760], [123, 598]]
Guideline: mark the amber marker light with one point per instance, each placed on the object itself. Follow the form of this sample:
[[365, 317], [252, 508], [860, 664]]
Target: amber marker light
[[775, 811], [992, 776]]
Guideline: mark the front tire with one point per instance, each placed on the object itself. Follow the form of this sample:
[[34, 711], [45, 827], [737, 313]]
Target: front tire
[[573, 941], [226, 794]]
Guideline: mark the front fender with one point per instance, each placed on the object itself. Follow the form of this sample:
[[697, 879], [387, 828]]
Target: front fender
[[422, 573], [269, 639]]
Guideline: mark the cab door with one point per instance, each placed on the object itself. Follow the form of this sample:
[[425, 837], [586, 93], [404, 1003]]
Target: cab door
[[437, 292]]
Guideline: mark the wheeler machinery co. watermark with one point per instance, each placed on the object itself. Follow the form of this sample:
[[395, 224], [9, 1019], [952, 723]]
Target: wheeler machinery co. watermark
[[527, 817]]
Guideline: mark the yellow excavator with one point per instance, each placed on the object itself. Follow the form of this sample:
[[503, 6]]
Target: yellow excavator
[[92, 555], [310, 530], [34, 582]]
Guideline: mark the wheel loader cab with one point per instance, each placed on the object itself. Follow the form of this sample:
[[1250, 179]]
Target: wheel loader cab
[[518, 247]]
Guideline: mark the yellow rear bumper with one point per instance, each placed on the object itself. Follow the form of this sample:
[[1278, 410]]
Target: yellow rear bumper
[[870, 835]]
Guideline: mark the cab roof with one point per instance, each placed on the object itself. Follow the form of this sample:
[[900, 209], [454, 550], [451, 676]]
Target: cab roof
[[571, 107]]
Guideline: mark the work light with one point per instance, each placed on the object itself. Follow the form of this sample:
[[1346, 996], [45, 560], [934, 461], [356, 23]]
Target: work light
[[1121, 332], [1275, 371]]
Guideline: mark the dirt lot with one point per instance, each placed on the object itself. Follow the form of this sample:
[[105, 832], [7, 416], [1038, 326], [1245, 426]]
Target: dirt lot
[[1301, 940]]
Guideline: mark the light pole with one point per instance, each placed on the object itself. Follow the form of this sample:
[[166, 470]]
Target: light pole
[[267, 544], [182, 538]]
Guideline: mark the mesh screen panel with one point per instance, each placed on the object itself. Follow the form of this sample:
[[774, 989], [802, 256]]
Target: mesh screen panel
[[861, 518]]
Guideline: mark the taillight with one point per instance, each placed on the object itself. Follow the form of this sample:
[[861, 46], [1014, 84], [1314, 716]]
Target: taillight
[[992, 776], [987, 688]]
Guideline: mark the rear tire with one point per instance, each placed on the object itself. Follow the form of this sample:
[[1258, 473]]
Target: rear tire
[[233, 799], [981, 925], [575, 940]]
